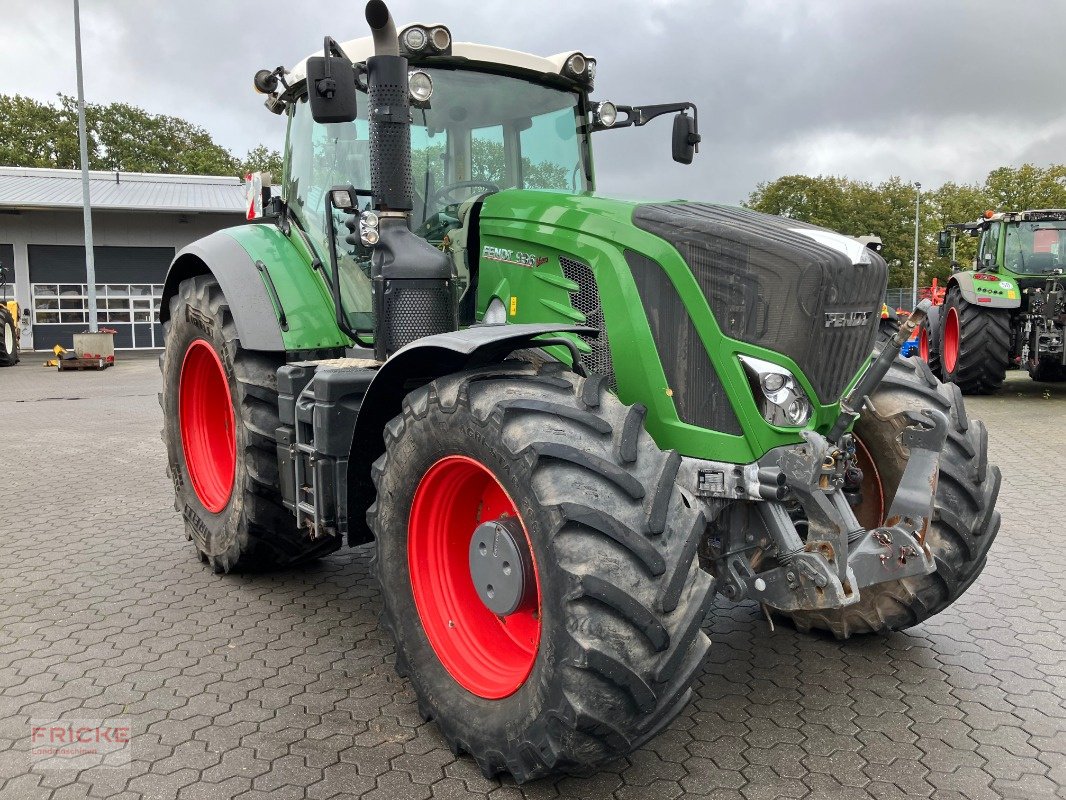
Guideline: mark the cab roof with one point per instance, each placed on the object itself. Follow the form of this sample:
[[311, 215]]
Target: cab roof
[[363, 48]]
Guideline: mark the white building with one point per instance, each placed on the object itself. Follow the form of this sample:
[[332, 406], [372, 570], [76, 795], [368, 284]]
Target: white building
[[139, 222]]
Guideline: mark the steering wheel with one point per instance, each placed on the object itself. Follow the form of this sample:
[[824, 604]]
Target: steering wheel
[[443, 195]]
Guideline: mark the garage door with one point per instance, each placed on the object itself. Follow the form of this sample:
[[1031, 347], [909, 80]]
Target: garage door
[[129, 282]]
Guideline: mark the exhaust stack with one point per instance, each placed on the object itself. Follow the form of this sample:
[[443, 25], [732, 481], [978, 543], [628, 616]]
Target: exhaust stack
[[414, 293]]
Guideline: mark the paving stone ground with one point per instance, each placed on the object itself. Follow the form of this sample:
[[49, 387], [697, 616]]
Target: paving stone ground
[[282, 686]]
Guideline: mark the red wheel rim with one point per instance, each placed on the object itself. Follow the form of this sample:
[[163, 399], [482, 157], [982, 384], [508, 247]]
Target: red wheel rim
[[951, 340], [871, 512], [923, 344], [205, 415], [487, 655]]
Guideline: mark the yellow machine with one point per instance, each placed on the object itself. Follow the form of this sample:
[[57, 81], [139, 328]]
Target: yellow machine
[[9, 325]]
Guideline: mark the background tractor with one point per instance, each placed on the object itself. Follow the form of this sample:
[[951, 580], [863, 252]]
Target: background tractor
[[563, 421], [1010, 309], [10, 332]]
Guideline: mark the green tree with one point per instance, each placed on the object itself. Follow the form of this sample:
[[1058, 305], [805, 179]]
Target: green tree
[[1027, 186], [120, 137], [263, 159]]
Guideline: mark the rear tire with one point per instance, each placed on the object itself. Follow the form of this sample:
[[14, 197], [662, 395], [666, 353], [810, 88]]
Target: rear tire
[[929, 342], [233, 514], [613, 540], [9, 341], [964, 522], [974, 344]]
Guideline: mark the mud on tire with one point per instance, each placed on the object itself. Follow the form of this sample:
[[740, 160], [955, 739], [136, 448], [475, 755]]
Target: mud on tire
[[253, 530], [614, 540], [964, 522]]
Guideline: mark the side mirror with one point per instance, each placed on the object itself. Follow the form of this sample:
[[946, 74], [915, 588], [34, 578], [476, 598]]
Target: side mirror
[[943, 243], [331, 89], [685, 138]]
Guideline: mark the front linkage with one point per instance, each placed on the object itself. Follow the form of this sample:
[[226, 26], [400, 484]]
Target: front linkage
[[812, 488]]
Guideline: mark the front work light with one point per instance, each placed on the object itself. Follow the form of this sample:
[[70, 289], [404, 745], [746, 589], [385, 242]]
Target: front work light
[[576, 65], [414, 39], [780, 398], [420, 85], [606, 114]]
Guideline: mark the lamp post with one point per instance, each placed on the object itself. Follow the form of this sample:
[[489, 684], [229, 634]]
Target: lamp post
[[87, 217], [917, 206]]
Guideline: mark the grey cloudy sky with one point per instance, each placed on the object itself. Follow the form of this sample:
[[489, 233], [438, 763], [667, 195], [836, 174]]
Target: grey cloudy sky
[[929, 90]]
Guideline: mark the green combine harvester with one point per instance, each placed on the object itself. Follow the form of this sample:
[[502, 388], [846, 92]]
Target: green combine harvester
[[564, 421], [1010, 309]]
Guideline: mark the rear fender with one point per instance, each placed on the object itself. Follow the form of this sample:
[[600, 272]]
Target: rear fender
[[277, 300], [1000, 293], [416, 365]]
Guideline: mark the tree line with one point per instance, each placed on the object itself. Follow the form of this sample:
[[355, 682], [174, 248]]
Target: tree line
[[129, 139], [120, 137], [858, 208]]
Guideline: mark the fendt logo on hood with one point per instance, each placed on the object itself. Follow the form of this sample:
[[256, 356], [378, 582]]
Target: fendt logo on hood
[[846, 319]]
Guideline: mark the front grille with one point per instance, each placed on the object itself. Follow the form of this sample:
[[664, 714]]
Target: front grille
[[771, 286], [587, 300], [698, 393]]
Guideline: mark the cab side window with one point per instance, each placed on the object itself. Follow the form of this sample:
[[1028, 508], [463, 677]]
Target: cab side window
[[989, 246]]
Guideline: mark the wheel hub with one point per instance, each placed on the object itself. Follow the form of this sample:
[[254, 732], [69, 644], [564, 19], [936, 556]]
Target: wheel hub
[[499, 566]]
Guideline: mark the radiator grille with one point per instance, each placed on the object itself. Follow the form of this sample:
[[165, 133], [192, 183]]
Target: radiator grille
[[771, 285], [698, 394], [587, 300]]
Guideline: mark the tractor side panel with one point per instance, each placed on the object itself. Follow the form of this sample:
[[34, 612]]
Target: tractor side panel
[[284, 305], [577, 259]]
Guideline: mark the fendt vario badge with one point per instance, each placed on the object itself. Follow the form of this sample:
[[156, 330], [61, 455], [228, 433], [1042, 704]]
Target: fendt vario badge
[[505, 256], [846, 319]]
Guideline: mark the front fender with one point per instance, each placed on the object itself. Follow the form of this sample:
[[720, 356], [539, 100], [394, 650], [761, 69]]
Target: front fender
[[416, 365]]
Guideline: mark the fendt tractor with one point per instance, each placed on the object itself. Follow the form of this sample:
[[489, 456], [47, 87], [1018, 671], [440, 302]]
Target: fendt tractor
[[1009, 309], [563, 421]]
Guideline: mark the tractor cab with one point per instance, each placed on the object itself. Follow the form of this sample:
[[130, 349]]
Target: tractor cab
[[482, 120]]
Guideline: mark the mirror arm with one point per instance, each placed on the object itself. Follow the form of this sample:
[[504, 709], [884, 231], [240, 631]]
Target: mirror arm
[[639, 116]]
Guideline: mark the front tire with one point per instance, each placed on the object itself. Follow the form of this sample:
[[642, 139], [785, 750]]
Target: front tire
[[974, 344], [964, 522], [9, 341], [220, 410], [603, 652]]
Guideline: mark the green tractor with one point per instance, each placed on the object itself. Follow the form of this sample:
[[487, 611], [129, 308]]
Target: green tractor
[[1010, 309], [564, 422]]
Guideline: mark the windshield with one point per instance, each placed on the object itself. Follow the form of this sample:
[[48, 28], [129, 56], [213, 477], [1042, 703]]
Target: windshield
[[479, 133], [1035, 248]]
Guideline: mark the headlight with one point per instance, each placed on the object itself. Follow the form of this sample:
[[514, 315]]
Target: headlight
[[780, 398], [368, 228]]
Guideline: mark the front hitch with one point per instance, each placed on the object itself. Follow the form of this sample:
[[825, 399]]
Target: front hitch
[[838, 557]]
